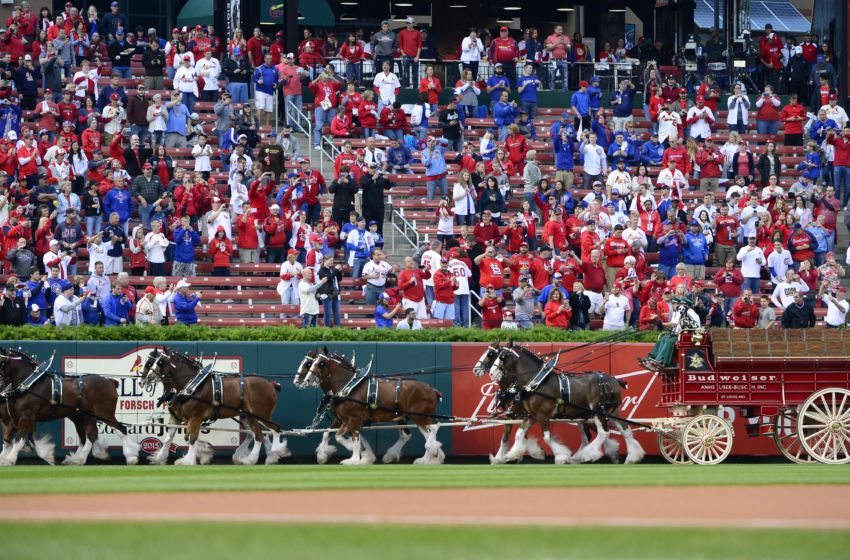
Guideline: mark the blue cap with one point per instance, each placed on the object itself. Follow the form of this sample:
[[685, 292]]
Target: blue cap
[[565, 115], [619, 133], [373, 223], [292, 174], [64, 285], [798, 225], [384, 295], [119, 32], [236, 50], [694, 223], [595, 79]]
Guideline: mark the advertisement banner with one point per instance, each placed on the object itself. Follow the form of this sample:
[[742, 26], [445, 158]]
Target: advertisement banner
[[137, 405], [474, 397]]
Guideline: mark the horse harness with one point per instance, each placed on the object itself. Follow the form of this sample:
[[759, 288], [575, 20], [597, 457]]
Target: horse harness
[[548, 368], [217, 384], [56, 389]]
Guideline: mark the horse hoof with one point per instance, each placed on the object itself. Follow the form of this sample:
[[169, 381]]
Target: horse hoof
[[394, 458], [349, 461], [634, 459], [71, 461], [562, 459], [132, 460], [156, 460], [421, 461], [321, 458], [497, 460]]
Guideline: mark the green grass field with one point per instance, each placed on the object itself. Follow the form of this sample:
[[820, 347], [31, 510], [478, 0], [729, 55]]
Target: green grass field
[[207, 541], [105, 478]]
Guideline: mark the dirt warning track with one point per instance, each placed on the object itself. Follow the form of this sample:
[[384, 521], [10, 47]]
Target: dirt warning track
[[816, 507]]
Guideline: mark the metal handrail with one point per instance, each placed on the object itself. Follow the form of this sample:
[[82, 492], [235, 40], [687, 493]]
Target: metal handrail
[[403, 229], [473, 309], [308, 131]]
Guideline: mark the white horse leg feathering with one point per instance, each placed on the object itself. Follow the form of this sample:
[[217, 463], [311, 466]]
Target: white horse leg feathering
[[393, 454], [561, 452], [99, 450], [355, 451], [325, 450], [593, 451], [518, 450], [367, 456], [634, 451], [190, 458], [81, 455], [130, 449], [12, 456]]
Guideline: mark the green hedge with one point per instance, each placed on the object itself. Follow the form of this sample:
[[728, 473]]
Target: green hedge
[[281, 334]]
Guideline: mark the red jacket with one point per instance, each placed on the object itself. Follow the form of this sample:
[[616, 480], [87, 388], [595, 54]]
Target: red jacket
[[768, 111], [313, 185], [411, 285], [491, 313], [679, 155], [516, 148], [709, 168], [612, 251], [276, 232], [258, 198], [220, 249], [392, 119], [444, 286], [842, 149], [433, 94], [246, 226], [341, 126], [729, 282], [484, 233], [351, 53], [367, 118], [557, 316], [744, 315]]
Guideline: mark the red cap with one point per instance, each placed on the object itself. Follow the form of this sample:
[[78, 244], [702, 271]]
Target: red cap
[[832, 96], [150, 290], [305, 160], [292, 252], [503, 28], [583, 83], [361, 152], [699, 284], [700, 99], [279, 34], [491, 287], [175, 30], [199, 27], [147, 166], [683, 90], [618, 284], [186, 57], [114, 97]]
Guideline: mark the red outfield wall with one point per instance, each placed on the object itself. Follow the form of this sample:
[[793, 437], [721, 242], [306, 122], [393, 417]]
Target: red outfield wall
[[473, 397]]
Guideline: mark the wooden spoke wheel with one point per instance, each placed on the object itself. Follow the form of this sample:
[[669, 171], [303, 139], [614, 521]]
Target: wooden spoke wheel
[[707, 439], [671, 448], [786, 438], [824, 426]]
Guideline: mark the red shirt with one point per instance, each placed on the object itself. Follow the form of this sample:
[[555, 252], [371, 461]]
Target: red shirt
[[491, 313], [797, 242], [255, 51], [729, 282], [444, 286], [725, 234], [411, 285], [325, 90], [594, 277], [367, 118], [589, 239], [793, 110], [615, 250], [521, 265], [313, 185], [541, 271], [30, 167], [433, 94], [514, 236], [491, 273], [842, 149], [409, 42], [504, 50], [557, 231]]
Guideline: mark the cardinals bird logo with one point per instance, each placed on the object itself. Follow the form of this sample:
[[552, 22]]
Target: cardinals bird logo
[[137, 366]]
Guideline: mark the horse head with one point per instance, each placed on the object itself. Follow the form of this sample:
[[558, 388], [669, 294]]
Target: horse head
[[154, 368], [15, 365], [485, 362], [318, 366]]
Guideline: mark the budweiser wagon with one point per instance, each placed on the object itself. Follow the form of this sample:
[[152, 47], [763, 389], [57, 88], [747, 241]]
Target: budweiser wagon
[[794, 385]]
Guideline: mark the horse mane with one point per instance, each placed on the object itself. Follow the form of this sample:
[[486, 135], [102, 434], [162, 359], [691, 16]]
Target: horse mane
[[185, 357], [530, 353], [341, 359], [22, 354]]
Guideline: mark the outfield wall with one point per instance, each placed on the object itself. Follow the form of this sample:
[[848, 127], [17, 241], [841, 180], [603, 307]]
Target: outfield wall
[[463, 394]]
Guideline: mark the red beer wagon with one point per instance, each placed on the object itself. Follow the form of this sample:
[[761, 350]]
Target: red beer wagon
[[797, 379]]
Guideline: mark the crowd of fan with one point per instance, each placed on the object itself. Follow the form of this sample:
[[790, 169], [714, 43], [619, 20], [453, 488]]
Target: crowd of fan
[[562, 259]]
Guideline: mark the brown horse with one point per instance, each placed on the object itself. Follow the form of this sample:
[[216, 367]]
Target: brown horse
[[591, 396], [85, 400], [251, 398], [397, 400]]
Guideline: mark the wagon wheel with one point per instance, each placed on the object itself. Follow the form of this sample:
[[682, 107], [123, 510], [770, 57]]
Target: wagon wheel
[[707, 439], [786, 438], [670, 446], [824, 426]]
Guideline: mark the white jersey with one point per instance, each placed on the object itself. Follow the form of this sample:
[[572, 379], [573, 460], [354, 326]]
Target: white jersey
[[294, 270], [460, 271], [430, 262], [615, 310], [751, 261], [784, 292]]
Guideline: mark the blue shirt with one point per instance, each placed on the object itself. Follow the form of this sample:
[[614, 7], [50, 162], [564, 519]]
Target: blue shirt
[[669, 249], [695, 251], [185, 242], [581, 101], [493, 81], [544, 294], [177, 116], [435, 162], [819, 234], [380, 322], [504, 114], [563, 154], [651, 154], [115, 310], [529, 94], [623, 109], [184, 308], [269, 74]]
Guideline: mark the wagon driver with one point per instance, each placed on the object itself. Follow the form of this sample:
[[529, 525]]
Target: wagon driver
[[682, 318]]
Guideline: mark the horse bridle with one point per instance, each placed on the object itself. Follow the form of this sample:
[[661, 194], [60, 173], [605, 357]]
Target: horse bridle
[[478, 369], [153, 366], [497, 369]]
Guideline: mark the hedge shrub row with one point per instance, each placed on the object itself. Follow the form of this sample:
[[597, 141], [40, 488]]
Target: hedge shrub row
[[294, 334]]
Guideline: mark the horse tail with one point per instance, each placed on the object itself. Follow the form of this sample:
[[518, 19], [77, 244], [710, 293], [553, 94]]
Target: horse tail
[[622, 383], [276, 386], [439, 394]]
